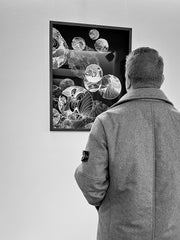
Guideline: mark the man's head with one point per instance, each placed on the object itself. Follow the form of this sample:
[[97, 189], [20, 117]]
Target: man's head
[[144, 69]]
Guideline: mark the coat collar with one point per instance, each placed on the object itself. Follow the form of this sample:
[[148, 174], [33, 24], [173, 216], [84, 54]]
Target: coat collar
[[143, 93]]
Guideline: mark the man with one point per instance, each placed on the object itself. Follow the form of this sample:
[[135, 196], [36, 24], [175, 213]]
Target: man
[[131, 166]]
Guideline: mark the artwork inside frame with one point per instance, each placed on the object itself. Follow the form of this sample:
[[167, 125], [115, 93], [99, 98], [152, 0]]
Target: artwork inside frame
[[87, 66]]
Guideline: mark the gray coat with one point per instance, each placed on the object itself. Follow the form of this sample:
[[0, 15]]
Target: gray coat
[[131, 168]]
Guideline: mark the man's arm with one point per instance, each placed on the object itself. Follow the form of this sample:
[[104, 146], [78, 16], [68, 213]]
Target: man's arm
[[92, 174]]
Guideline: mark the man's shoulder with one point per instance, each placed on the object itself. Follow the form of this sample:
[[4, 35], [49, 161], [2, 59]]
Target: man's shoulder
[[114, 112]]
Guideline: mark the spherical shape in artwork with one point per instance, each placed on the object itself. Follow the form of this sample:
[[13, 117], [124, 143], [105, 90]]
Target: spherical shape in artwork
[[94, 34], [78, 43], [101, 45], [93, 73], [65, 83], [92, 86], [110, 87]]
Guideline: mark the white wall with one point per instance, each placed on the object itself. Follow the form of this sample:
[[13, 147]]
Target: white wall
[[39, 199]]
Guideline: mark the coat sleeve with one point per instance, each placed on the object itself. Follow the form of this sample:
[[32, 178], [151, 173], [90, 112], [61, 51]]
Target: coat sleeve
[[92, 174]]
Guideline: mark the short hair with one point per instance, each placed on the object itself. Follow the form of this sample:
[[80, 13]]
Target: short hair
[[144, 68]]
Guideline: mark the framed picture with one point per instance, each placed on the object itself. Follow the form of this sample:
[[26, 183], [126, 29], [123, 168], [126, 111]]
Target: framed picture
[[87, 66]]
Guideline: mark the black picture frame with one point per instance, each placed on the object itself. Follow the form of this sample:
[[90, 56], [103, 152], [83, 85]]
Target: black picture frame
[[85, 62]]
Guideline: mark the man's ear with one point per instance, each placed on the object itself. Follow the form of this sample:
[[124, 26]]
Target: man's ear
[[162, 79], [128, 83]]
